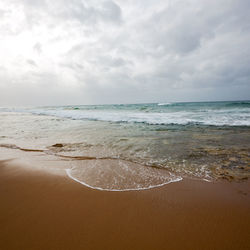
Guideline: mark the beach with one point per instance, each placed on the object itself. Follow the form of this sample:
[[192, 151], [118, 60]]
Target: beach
[[124, 125], [139, 176], [47, 211]]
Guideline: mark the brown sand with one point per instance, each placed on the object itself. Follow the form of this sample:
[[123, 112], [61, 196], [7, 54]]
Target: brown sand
[[42, 211]]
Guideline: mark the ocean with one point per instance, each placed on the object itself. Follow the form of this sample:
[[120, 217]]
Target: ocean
[[136, 146]]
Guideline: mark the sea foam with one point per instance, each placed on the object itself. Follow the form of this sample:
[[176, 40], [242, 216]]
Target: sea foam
[[119, 175], [204, 117], [215, 114]]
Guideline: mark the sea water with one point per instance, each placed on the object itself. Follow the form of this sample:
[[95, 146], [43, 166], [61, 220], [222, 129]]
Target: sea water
[[137, 146]]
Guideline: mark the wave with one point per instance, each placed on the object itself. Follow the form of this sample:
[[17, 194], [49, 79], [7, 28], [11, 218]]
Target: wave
[[176, 179], [214, 118], [109, 174], [210, 114], [164, 104], [238, 104], [119, 175]]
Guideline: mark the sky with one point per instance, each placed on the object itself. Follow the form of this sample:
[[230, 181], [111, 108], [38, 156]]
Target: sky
[[65, 52]]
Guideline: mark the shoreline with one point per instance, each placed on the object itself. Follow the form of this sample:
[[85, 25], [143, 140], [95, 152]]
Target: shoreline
[[40, 210], [118, 190]]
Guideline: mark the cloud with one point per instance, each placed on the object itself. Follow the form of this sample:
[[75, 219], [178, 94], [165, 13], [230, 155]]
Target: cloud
[[98, 51], [37, 47], [31, 62]]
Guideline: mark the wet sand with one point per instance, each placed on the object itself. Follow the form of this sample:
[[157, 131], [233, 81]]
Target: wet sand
[[45, 211]]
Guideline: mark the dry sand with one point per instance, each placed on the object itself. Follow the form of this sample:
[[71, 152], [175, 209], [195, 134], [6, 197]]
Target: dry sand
[[43, 211]]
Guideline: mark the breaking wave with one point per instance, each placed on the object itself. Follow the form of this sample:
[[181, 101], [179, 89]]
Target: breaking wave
[[206, 113]]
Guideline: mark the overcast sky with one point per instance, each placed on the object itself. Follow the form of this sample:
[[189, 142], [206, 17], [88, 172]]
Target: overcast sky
[[123, 51]]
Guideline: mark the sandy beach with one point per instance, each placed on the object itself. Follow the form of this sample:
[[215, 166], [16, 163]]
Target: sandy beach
[[124, 125], [45, 211]]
